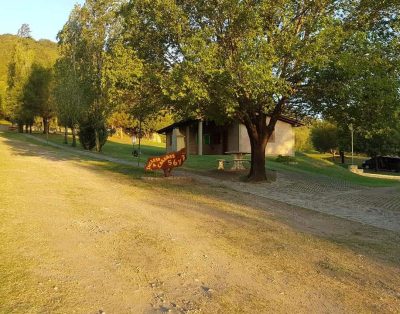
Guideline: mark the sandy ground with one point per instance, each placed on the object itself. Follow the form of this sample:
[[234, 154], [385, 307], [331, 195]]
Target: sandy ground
[[76, 237]]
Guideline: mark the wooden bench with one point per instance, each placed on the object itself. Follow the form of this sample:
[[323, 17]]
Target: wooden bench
[[12, 128]]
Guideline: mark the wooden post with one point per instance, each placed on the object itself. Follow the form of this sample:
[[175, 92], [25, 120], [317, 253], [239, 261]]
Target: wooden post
[[187, 141]]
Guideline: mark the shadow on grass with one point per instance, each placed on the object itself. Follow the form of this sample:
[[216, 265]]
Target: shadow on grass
[[241, 210], [113, 149]]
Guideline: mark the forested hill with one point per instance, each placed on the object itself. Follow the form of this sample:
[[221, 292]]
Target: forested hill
[[45, 52]]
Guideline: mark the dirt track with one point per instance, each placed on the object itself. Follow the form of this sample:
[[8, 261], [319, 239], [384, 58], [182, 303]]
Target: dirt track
[[78, 238]]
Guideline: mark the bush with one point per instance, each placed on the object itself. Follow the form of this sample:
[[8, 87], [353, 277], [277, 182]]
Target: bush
[[87, 136]]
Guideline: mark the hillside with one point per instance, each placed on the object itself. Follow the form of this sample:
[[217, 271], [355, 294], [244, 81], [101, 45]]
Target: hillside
[[45, 51]]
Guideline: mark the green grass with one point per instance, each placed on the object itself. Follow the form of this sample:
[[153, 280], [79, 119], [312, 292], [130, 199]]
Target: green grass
[[4, 122], [322, 164], [116, 147], [310, 163]]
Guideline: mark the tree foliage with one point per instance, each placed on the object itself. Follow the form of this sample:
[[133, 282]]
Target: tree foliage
[[324, 136], [242, 60], [19, 70], [37, 99], [82, 41], [360, 84], [24, 31], [303, 142], [16, 54]]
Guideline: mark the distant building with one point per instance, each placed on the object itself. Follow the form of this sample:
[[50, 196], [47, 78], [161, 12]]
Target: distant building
[[216, 140]]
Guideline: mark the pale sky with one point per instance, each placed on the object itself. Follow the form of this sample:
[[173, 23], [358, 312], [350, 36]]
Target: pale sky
[[45, 17]]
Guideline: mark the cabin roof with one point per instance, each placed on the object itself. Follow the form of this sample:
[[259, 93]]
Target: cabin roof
[[291, 121]]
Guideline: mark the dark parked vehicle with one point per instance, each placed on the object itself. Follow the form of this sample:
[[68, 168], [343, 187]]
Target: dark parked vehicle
[[382, 163]]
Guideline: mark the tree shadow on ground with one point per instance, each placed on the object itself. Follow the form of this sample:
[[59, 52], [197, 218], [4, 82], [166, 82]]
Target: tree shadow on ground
[[378, 244], [111, 148]]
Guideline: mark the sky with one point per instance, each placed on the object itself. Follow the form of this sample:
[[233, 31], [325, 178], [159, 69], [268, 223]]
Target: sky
[[45, 17]]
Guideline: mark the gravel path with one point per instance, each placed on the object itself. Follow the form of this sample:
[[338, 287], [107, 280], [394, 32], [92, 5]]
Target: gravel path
[[378, 207]]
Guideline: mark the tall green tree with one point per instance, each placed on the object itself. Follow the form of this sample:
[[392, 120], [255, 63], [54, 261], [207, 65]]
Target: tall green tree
[[133, 85], [19, 70], [360, 85], [97, 19], [68, 97], [37, 100], [242, 60], [83, 43]]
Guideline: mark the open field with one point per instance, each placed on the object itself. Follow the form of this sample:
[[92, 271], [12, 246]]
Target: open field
[[85, 236]]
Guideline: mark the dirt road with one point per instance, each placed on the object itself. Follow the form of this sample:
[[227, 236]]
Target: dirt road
[[78, 236]]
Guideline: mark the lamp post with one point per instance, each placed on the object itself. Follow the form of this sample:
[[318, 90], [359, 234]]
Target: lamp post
[[352, 142], [134, 139], [140, 137]]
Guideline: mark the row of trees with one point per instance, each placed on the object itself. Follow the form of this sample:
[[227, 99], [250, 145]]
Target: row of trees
[[28, 85], [229, 59], [99, 79], [329, 137]]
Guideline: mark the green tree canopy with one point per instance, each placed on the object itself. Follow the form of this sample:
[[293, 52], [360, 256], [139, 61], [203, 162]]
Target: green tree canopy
[[242, 60]]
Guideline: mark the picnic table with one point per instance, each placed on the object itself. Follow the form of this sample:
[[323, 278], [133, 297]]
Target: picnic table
[[238, 159]]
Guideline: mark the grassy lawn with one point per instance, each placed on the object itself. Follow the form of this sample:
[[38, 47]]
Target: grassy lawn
[[322, 164], [116, 147], [4, 122], [310, 163]]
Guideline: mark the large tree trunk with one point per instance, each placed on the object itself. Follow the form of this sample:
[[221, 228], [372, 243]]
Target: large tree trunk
[[30, 128], [26, 128], [98, 148], [66, 135], [45, 125], [257, 170], [73, 136], [259, 135], [20, 128]]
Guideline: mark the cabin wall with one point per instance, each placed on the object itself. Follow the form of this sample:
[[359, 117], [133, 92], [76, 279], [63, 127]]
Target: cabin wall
[[234, 137], [281, 142]]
